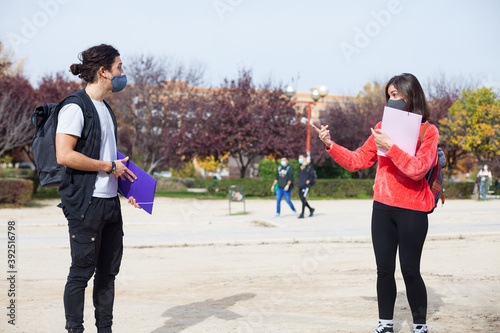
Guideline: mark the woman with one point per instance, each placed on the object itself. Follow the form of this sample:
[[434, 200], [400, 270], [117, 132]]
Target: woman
[[402, 199]]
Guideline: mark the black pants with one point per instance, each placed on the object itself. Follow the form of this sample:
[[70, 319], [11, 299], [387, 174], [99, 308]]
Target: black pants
[[303, 192], [393, 227], [96, 247]]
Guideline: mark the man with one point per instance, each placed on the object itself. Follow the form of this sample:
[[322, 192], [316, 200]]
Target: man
[[86, 145], [284, 179], [307, 177]]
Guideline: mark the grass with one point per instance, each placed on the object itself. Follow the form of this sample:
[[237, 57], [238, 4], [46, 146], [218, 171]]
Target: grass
[[240, 213], [46, 193]]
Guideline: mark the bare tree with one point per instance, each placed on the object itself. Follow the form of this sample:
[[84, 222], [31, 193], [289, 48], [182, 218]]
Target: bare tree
[[17, 102], [148, 111]]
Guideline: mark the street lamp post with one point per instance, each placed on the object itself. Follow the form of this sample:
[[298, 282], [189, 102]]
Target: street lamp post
[[316, 94]]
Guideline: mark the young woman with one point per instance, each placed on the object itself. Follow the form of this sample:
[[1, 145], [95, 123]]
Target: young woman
[[402, 199]]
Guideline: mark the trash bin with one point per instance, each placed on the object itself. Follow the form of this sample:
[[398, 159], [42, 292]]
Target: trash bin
[[236, 194]]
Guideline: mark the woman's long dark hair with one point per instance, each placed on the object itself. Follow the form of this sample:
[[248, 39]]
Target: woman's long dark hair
[[92, 59], [408, 86]]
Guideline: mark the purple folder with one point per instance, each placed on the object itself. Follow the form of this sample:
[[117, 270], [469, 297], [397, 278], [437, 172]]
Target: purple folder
[[142, 189]]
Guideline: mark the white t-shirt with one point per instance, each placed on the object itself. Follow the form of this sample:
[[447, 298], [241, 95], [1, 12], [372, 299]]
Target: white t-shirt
[[70, 121]]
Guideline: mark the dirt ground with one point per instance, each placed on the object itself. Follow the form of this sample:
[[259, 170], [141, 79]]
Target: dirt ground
[[192, 267]]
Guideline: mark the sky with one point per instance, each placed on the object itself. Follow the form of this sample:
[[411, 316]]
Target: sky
[[306, 44]]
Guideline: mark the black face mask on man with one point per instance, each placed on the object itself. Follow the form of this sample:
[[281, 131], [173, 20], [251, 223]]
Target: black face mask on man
[[399, 104]]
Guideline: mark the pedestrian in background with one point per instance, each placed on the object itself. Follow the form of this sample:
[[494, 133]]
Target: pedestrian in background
[[284, 180], [307, 177]]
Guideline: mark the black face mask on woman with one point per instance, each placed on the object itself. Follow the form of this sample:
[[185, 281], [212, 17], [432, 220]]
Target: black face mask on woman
[[399, 104]]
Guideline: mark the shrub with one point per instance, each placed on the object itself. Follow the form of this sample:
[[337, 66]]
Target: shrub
[[46, 193], [173, 183], [324, 188], [267, 168], [15, 191], [188, 170], [331, 170], [462, 190]]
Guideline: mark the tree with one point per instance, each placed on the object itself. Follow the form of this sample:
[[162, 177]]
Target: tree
[[52, 88], [350, 121], [150, 108], [473, 123], [442, 93], [8, 66], [17, 102], [247, 122]]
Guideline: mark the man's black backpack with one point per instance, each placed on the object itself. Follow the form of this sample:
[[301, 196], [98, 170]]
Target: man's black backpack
[[314, 176], [44, 120]]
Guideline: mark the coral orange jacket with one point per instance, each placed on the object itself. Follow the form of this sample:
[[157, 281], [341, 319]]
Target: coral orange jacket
[[400, 179]]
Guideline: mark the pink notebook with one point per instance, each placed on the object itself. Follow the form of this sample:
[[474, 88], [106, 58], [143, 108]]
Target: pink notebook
[[403, 128]]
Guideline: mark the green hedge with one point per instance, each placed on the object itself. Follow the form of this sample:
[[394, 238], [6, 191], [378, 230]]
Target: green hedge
[[15, 192], [462, 190], [324, 188], [18, 191]]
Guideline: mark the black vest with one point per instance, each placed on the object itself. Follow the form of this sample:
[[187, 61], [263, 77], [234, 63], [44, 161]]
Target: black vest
[[77, 186]]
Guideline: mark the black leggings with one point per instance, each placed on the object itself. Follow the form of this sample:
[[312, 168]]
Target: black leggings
[[391, 227], [303, 192]]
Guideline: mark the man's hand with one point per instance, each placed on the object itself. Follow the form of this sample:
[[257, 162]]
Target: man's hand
[[131, 201], [324, 135], [122, 171], [286, 188]]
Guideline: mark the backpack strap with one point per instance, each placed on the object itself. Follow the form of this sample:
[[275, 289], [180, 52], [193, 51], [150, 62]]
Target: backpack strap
[[421, 138], [89, 113], [422, 132]]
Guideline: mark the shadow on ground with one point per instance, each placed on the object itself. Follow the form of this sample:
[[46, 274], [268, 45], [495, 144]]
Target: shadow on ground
[[402, 312], [185, 316]]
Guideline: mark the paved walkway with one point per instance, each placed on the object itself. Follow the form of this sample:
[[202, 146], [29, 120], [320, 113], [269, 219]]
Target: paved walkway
[[195, 222]]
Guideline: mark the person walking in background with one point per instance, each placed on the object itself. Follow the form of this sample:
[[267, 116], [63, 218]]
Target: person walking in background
[[284, 180], [402, 200], [307, 177], [86, 146], [484, 176]]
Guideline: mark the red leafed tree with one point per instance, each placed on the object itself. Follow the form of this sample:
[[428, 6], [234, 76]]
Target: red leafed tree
[[350, 121], [52, 88], [245, 121]]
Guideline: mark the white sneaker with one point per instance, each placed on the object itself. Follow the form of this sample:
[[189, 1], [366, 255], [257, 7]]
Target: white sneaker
[[420, 329], [276, 215], [383, 329]]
